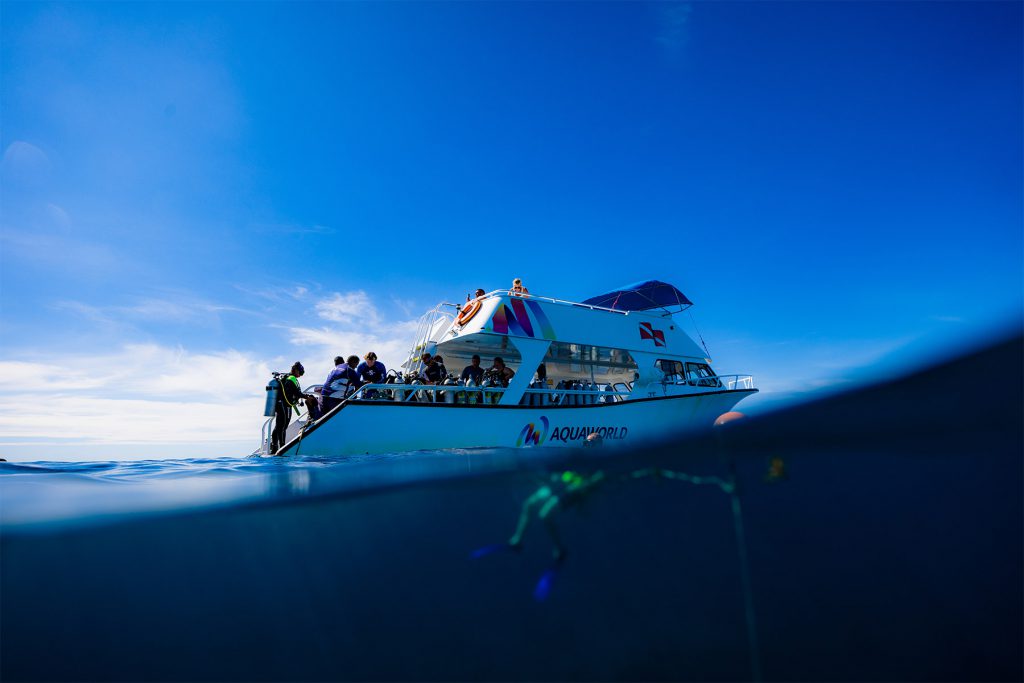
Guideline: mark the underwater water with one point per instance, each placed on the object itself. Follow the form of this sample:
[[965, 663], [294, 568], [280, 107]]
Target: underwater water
[[874, 535]]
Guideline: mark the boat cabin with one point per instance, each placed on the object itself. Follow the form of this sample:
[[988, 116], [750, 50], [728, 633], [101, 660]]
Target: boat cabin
[[618, 346]]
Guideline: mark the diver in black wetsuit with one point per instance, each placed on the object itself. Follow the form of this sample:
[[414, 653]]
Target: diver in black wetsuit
[[287, 399]]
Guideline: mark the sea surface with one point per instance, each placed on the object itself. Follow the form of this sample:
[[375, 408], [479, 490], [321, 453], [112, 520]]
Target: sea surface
[[869, 536]]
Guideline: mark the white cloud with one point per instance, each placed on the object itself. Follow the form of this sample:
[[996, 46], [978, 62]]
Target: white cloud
[[352, 308], [360, 327], [145, 394], [23, 160], [158, 395]]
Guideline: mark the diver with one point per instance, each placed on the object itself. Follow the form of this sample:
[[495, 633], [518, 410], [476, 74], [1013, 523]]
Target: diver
[[287, 399], [562, 491], [431, 372], [339, 384], [370, 371], [501, 372], [473, 371]]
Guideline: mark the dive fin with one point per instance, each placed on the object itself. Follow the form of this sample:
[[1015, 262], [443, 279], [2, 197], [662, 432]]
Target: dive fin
[[546, 583], [490, 550]]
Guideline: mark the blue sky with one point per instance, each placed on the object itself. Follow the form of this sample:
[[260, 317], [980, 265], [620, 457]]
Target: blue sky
[[194, 193]]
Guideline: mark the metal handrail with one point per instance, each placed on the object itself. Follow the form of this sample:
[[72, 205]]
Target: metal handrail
[[728, 381], [509, 292], [434, 388], [265, 437]]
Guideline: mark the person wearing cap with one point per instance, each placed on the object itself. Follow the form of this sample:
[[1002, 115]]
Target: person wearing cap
[[430, 373], [440, 364], [518, 289], [473, 371], [287, 400]]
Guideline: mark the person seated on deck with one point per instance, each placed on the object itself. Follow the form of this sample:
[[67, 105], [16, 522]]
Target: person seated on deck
[[542, 373], [473, 371], [287, 398], [501, 371], [431, 372], [518, 289], [440, 364], [370, 371]]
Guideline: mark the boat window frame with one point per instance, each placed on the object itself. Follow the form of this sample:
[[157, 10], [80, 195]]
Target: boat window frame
[[697, 379], [676, 377]]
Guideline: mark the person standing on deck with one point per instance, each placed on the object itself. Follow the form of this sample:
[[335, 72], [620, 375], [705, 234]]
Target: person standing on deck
[[287, 399], [370, 371], [518, 289], [340, 382]]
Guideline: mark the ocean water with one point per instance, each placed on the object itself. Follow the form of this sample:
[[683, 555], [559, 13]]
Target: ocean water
[[874, 535]]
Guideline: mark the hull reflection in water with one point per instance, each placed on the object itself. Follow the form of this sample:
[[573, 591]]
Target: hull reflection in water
[[884, 545]]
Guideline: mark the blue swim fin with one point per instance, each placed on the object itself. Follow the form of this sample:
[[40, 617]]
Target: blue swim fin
[[490, 550], [546, 583]]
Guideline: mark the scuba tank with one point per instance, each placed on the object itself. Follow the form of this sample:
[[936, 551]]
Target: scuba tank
[[471, 396], [591, 397], [449, 396], [609, 398], [574, 399], [273, 389], [399, 394], [417, 396], [460, 396], [485, 396], [527, 399], [543, 399]]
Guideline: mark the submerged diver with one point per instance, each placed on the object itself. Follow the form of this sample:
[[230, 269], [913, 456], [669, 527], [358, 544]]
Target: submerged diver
[[287, 399], [564, 490]]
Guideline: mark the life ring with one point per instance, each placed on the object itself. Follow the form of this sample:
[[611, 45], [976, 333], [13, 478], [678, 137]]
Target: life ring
[[468, 312]]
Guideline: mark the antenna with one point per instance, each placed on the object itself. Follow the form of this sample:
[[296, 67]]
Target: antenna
[[699, 334]]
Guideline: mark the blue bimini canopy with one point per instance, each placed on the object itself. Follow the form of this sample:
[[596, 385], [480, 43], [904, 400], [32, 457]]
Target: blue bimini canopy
[[642, 296]]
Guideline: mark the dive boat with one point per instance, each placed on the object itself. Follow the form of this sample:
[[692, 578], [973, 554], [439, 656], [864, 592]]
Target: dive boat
[[616, 368]]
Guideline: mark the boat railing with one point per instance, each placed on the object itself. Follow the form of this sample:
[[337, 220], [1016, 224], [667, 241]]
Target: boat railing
[[265, 433], [429, 326], [733, 382], [729, 382], [479, 395], [535, 297]]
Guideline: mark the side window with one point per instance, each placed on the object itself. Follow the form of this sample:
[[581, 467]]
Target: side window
[[672, 370], [701, 375]]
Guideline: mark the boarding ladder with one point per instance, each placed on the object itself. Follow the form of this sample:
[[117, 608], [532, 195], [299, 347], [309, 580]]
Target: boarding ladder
[[429, 329]]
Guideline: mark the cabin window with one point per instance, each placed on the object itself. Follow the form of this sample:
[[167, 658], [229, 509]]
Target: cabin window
[[701, 375], [671, 369]]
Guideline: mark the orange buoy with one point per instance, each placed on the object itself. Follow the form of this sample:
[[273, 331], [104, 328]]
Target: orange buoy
[[726, 418], [467, 313]]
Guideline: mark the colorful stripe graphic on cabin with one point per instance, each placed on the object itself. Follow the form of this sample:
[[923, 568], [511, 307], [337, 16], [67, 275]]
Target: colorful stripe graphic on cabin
[[516, 320]]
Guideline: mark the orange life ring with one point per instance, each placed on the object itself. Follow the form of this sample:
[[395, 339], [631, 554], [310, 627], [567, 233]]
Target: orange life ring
[[468, 312]]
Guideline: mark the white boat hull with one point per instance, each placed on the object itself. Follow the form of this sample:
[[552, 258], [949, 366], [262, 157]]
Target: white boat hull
[[367, 427]]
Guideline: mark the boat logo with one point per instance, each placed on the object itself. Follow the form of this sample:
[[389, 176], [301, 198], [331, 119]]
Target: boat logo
[[530, 436], [517, 321], [647, 331]]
